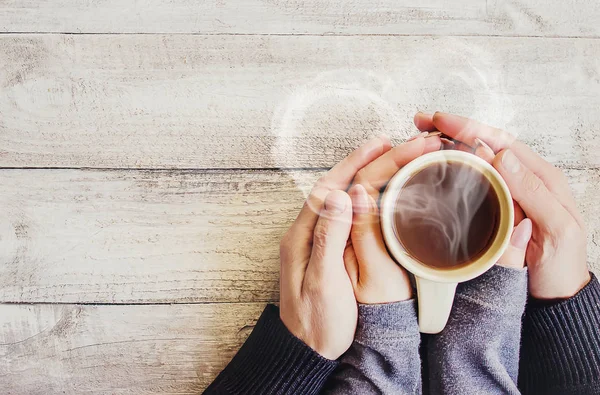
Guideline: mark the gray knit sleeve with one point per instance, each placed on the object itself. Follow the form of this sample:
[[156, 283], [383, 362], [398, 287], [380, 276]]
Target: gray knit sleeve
[[478, 351], [384, 357]]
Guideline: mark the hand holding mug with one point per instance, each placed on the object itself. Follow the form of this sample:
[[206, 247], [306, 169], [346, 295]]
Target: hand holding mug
[[376, 277], [317, 298], [556, 255], [323, 276]]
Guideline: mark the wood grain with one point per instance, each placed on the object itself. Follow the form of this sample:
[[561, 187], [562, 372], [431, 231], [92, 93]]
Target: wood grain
[[152, 349], [74, 236], [181, 101], [437, 17]]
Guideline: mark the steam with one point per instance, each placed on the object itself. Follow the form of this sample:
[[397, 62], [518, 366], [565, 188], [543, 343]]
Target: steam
[[333, 107], [441, 205]]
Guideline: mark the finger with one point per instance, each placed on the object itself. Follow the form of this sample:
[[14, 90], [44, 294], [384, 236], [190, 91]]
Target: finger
[[376, 174], [514, 256], [330, 235], [422, 134], [379, 278], [447, 144], [339, 177], [551, 176], [460, 146], [351, 264], [519, 214], [367, 239], [482, 150], [469, 131], [530, 192], [424, 122]]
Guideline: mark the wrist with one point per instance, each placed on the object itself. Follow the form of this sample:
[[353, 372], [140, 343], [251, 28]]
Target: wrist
[[392, 289], [275, 359], [379, 298], [313, 337], [550, 293], [542, 299]]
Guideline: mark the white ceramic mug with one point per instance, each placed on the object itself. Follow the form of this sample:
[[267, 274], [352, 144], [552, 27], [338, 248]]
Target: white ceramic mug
[[436, 286]]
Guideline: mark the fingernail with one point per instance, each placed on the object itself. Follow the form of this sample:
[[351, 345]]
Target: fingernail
[[336, 202], [447, 144], [510, 162], [522, 234], [434, 134], [372, 144], [360, 199], [481, 143], [432, 144], [483, 150], [422, 134]]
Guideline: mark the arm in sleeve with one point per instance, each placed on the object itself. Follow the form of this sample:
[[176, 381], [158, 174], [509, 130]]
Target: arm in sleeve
[[478, 351], [384, 357], [273, 361], [560, 352]]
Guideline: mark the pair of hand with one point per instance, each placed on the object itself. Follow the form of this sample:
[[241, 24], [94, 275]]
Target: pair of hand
[[334, 254]]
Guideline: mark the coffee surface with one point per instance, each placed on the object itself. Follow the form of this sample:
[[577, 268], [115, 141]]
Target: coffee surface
[[446, 215]]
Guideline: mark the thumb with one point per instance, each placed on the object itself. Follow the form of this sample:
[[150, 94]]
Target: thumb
[[514, 256], [331, 233], [366, 236], [378, 277], [530, 192]]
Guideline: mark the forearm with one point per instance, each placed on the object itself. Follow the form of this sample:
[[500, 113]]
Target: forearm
[[384, 357], [478, 351], [273, 361], [560, 353]]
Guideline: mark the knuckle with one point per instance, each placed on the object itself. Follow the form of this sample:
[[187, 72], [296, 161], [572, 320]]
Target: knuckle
[[531, 183], [360, 176], [561, 236], [320, 237], [312, 287], [316, 196]]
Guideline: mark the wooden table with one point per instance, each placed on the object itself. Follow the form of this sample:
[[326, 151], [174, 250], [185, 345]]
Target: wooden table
[[152, 154]]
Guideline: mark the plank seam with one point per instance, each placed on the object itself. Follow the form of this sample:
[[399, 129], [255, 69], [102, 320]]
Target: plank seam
[[171, 169], [135, 303], [215, 169], [595, 37]]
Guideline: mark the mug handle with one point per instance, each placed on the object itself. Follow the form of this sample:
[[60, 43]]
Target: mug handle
[[435, 302]]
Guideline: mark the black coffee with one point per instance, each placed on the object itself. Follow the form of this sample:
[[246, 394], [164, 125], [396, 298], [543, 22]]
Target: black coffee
[[446, 215]]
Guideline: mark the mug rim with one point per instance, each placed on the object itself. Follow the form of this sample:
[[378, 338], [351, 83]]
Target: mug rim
[[462, 272]]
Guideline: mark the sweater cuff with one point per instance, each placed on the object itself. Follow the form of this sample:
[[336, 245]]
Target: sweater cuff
[[561, 347], [396, 320], [500, 289], [273, 360]]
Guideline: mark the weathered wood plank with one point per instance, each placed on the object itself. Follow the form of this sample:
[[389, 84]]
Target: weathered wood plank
[[151, 349], [437, 17], [152, 101], [74, 236]]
